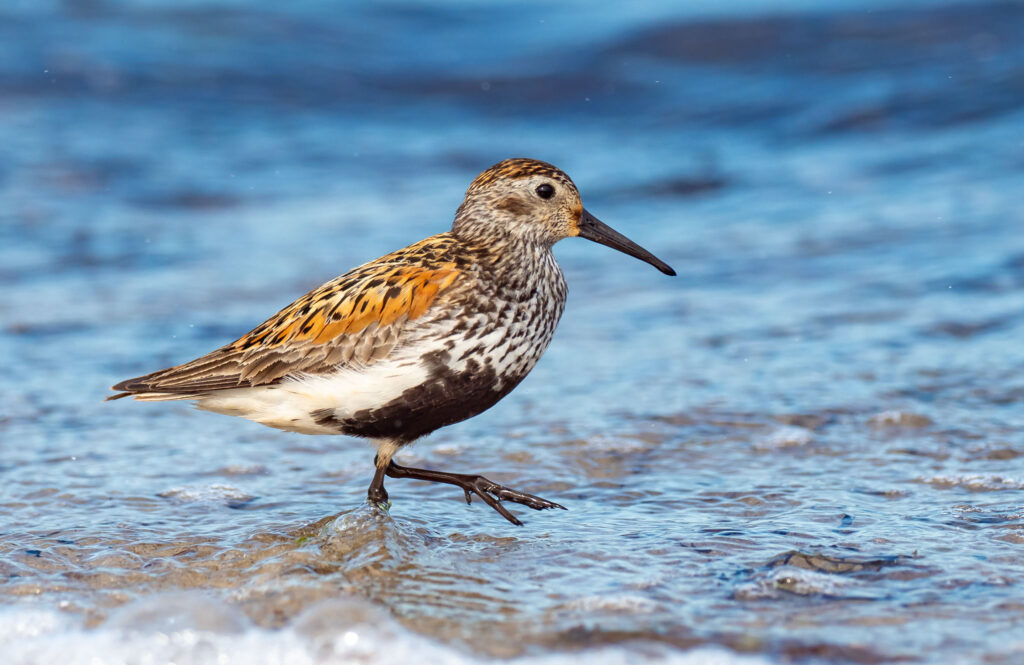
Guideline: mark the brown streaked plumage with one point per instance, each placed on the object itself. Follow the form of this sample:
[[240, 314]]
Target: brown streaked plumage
[[354, 318], [418, 339]]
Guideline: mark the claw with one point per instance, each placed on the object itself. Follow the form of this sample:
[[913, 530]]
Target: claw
[[485, 488]]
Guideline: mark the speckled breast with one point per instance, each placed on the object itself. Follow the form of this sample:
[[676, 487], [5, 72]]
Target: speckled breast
[[472, 359]]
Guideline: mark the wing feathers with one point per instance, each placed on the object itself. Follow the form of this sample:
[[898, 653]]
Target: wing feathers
[[356, 318]]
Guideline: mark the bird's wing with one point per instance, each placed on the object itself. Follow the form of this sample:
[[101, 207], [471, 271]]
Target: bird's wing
[[350, 321]]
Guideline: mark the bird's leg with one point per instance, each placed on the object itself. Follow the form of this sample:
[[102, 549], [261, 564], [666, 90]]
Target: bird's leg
[[376, 493], [491, 492]]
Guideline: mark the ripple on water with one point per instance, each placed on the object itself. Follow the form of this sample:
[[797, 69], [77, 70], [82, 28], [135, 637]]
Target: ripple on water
[[899, 419], [831, 576], [987, 482], [223, 493]]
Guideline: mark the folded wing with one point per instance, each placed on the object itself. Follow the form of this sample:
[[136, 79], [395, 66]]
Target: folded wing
[[350, 321]]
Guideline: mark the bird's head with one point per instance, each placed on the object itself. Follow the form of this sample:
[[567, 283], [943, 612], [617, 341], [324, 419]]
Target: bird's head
[[532, 201]]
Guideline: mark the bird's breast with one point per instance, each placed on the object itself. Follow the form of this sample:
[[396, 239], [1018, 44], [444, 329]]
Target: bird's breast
[[505, 325], [472, 351]]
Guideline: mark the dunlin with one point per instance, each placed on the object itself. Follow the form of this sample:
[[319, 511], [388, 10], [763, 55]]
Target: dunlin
[[418, 339]]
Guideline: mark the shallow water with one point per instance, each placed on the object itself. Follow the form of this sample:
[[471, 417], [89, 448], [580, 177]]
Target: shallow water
[[806, 448]]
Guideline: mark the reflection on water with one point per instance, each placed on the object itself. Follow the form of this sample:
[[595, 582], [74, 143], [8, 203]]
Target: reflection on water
[[806, 448]]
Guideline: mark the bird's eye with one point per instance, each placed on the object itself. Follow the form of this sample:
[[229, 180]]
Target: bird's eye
[[545, 191]]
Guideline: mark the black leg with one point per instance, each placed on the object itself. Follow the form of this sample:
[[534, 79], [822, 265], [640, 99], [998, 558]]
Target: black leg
[[491, 493], [377, 493]]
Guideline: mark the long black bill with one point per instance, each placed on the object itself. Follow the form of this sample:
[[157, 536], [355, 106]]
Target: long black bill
[[594, 229]]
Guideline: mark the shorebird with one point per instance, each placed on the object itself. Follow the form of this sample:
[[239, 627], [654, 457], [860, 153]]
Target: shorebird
[[424, 337]]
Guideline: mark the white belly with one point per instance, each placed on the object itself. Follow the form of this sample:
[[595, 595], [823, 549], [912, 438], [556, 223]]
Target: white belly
[[288, 405]]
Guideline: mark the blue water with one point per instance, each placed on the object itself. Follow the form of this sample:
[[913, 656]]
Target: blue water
[[808, 447]]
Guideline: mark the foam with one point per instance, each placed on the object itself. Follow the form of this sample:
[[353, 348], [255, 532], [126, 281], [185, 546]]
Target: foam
[[785, 437], [191, 628]]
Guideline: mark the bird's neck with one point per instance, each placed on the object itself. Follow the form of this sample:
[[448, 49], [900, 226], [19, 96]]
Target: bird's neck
[[510, 259], [522, 272]]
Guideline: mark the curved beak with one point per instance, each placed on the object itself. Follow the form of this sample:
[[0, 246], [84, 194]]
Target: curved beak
[[594, 229]]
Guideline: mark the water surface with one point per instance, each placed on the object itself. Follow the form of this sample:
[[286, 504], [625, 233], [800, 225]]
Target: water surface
[[806, 448]]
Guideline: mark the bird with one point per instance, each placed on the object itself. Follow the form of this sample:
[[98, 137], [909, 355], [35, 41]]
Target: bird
[[416, 340]]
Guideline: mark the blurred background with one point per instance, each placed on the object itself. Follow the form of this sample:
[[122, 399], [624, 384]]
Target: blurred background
[[807, 447]]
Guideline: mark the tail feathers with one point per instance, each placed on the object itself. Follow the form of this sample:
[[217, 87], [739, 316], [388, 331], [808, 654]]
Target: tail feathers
[[144, 396], [179, 382], [148, 388], [162, 397], [139, 384]]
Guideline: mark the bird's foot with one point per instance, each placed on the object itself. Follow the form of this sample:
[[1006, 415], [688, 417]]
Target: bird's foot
[[492, 493], [489, 491]]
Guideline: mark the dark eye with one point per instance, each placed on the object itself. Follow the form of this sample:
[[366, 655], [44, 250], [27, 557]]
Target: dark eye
[[545, 191]]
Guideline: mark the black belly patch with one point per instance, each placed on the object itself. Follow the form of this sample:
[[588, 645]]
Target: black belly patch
[[446, 397]]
